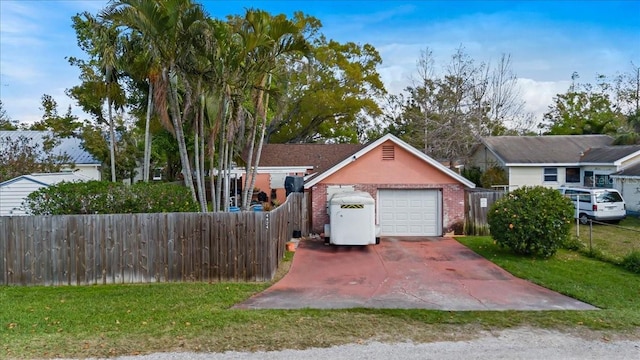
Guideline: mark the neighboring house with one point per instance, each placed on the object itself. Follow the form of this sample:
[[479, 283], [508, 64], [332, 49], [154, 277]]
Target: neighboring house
[[277, 161], [13, 192], [81, 160], [415, 195], [627, 181], [555, 160]]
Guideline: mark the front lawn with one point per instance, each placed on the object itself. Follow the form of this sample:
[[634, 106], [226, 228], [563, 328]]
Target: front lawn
[[608, 241], [111, 320]]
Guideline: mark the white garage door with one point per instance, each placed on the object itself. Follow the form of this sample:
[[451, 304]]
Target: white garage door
[[410, 212]]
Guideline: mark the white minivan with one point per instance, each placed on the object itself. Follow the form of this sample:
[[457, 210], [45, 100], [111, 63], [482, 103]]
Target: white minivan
[[598, 204]]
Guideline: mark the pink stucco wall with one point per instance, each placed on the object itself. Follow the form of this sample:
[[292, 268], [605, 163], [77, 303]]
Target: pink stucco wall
[[263, 182], [405, 169], [370, 173]]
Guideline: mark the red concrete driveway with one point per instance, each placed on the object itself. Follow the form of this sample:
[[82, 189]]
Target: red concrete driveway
[[404, 273]]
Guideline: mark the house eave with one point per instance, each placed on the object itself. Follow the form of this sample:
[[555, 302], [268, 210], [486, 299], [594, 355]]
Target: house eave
[[543, 164], [599, 164]]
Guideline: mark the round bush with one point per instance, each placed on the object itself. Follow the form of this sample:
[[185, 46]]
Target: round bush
[[531, 221]]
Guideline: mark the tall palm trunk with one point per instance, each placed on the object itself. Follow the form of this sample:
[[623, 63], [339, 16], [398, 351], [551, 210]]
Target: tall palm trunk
[[202, 150], [179, 132], [198, 156], [252, 169], [112, 131], [221, 162], [212, 183], [147, 138], [254, 174], [248, 188]]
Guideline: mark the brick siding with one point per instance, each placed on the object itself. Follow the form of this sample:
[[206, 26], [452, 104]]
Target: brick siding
[[452, 198]]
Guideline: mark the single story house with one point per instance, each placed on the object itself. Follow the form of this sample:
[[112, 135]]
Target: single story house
[[415, 195], [556, 160], [277, 161], [81, 160], [627, 181], [15, 191]]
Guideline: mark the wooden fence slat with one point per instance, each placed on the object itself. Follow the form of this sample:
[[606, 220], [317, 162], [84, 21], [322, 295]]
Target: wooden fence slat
[[5, 235], [477, 208], [128, 248]]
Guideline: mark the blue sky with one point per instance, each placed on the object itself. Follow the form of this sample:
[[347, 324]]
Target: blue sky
[[547, 40]]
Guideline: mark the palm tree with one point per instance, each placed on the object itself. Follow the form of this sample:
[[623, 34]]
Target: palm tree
[[266, 39], [142, 66], [169, 27], [106, 46]]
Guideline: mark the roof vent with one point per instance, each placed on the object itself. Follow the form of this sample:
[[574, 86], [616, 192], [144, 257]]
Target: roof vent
[[388, 152]]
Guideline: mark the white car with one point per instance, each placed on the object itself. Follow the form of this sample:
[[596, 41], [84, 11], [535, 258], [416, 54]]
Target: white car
[[598, 204]]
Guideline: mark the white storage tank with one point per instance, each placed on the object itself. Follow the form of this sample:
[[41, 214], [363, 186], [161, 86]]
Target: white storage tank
[[352, 219]]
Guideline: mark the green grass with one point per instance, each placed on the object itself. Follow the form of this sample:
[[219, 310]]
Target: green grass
[[111, 320], [610, 242]]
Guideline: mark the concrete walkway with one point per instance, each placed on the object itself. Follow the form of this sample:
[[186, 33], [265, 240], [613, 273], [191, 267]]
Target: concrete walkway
[[403, 273]]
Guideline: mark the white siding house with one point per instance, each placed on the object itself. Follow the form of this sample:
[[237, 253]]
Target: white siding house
[[13, 192], [627, 181], [552, 161], [81, 160]]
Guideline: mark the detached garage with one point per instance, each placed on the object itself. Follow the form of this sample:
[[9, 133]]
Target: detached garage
[[415, 195]]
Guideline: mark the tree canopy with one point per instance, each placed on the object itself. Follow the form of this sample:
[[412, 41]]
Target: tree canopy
[[610, 106]]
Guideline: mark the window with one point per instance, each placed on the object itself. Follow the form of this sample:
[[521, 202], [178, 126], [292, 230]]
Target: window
[[603, 181], [609, 197], [588, 178], [582, 196], [597, 180], [550, 174], [572, 175]]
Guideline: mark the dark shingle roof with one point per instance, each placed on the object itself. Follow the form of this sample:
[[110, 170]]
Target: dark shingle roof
[[69, 146], [544, 149], [609, 154], [320, 156], [633, 170]]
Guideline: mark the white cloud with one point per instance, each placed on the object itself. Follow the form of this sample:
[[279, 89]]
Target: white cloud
[[538, 95]]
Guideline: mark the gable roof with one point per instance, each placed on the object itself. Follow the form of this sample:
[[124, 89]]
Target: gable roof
[[610, 154], [629, 172], [550, 149], [389, 137], [47, 179], [70, 146], [318, 157]]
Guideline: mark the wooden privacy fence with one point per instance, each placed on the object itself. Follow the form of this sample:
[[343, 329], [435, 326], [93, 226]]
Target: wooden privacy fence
[[136, 248], [477, 207]]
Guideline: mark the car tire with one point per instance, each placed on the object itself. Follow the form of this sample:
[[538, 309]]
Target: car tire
[[584, 219]]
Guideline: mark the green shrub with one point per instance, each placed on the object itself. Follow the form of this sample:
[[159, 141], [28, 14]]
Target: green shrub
[[494, 175], [631, 262], [573, 243], [531, 221], [102, 197], [473, 173]]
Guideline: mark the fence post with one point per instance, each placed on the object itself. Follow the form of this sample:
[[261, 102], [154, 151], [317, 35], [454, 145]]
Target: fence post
[[590, 236]]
